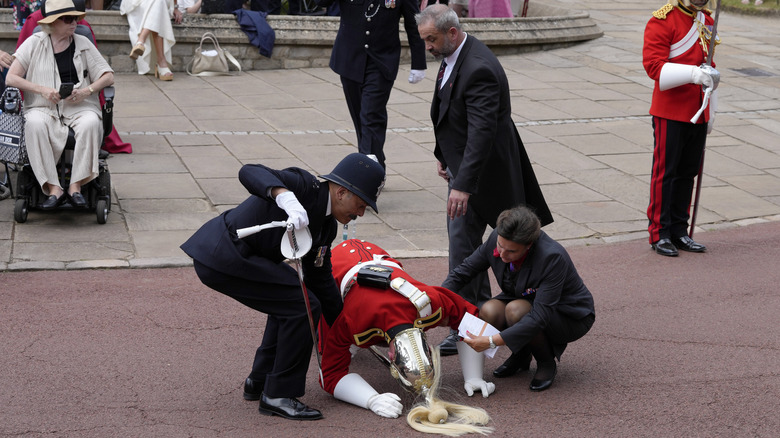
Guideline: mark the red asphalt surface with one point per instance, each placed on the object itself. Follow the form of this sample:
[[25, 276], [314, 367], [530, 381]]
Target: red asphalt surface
[[686, 346]]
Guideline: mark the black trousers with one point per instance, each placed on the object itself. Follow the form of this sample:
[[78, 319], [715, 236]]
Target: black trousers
[[282, 360], [677, 156], [367, 103]]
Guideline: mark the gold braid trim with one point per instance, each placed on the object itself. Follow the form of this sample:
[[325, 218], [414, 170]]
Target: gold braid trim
[[661, 13]]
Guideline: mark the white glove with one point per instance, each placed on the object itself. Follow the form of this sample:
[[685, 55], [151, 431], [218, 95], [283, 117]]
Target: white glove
[[353, 389], [386, 405], [296, 213], [416, 76], [699, 76], [473, 364]]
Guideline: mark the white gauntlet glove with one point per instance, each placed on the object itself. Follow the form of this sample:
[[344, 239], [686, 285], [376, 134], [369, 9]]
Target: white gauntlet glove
[[416, 76], [353, 389], [472, 364], [296, 213], [386, 405], [701, 77]]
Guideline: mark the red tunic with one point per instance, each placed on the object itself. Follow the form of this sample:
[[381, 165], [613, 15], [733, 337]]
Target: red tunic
[[678, 103], [367, 308]]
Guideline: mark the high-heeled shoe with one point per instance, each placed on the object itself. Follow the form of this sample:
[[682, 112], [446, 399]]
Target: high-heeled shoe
[[138, 50], [164, 73]]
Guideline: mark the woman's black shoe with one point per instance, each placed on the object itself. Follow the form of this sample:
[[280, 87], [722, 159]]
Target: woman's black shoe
[[544, 377], [53, 202], [515, 362], [253, 389], [77, 199]]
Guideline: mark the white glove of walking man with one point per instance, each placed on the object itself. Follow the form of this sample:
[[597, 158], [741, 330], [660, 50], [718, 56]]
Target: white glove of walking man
[[416, 76], [297, 215]]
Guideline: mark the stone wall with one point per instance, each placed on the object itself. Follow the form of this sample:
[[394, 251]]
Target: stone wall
[[303, 41]]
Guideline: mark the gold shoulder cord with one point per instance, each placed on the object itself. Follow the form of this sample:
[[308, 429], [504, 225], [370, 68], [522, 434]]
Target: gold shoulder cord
[[705, 34], [661, 13]]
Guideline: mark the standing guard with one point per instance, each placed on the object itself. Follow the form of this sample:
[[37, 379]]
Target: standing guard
[[676, 43]]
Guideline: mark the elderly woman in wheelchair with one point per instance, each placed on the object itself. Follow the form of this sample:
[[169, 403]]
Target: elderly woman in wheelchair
[[61, 74]]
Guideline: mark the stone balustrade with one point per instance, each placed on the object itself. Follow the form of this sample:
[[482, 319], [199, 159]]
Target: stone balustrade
[[306, 41]]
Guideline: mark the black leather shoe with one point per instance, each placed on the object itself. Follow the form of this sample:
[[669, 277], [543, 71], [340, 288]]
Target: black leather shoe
[[685, 243], [253, 389], [515, 362], [449, 346], [548, 368], [53, 202], [665, 247], [77, 199], [289, 408]]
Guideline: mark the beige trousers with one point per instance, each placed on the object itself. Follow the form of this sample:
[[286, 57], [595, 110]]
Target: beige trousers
[[45, 138]]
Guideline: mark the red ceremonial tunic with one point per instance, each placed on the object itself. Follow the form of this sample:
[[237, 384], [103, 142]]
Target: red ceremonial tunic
[[661, 36], [369, 311]]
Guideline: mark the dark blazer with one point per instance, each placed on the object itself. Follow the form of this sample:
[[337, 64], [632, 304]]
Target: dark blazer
[[258, 257], [378, 37], [547, 275], [476, 138]]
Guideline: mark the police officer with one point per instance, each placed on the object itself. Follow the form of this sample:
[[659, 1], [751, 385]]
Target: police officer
[[366, 54], [252, 270]]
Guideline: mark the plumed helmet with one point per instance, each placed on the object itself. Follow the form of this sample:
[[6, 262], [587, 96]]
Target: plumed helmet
[[410, 361], [361, 175]]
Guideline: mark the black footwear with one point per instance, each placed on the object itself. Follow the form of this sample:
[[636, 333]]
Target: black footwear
[[449, 346], [53, 202], [547, 371], [685, 243], [665, 247], [516, 362], [289, 408], [253, 389], [77, 200]]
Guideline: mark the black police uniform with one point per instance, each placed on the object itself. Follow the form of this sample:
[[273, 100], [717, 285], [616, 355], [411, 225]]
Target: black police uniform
[[252, 271], [366, 54]]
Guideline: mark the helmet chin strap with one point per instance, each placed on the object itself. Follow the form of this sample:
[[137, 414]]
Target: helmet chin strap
[[696, 5]]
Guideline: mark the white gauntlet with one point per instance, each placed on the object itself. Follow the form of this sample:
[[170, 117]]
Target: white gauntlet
[[296, 213]]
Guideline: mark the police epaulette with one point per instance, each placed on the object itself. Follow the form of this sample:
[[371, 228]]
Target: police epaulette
[[661, 13]]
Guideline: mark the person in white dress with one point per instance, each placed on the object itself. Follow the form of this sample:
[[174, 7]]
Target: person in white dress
[[150, 26]]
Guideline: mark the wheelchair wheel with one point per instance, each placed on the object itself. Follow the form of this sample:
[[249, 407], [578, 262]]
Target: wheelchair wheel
[[101, 211], [20, 211]]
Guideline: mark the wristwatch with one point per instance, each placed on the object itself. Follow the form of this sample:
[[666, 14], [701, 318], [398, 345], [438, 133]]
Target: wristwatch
[[492, 344], [91, 90]]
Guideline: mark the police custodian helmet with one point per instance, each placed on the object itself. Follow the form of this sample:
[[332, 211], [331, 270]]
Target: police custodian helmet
[[361, 175]]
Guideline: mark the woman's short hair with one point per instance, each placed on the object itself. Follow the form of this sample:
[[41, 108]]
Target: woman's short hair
[[519, 224]]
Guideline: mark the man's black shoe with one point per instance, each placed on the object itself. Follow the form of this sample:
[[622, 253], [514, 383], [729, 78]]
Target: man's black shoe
[[449, 346], [685, 243], [253, 389], [289, 408], [665, 247], [515, 362]]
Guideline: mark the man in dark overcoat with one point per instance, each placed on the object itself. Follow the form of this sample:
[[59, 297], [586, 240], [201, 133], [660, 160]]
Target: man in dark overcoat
[[478, 148], [253, 271]]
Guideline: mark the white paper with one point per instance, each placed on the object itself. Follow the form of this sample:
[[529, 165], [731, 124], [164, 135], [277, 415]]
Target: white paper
[[478, 327], [209, 53]]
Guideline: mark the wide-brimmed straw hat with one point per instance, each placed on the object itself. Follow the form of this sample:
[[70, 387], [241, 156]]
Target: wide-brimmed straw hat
[[54, 9]]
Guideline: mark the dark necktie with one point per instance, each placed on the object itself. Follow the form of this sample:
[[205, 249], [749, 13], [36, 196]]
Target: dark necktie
[[441, 75]]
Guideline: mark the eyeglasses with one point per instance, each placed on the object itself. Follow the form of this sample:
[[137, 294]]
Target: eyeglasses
[[67, 19]]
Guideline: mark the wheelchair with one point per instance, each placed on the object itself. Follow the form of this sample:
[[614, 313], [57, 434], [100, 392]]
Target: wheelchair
[[97, 192]]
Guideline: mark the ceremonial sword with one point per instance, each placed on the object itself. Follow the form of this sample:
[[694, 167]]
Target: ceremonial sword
[[710, 53]]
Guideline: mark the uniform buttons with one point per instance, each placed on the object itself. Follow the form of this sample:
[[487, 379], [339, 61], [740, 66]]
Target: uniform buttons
[[366, 46], [368, 32]]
